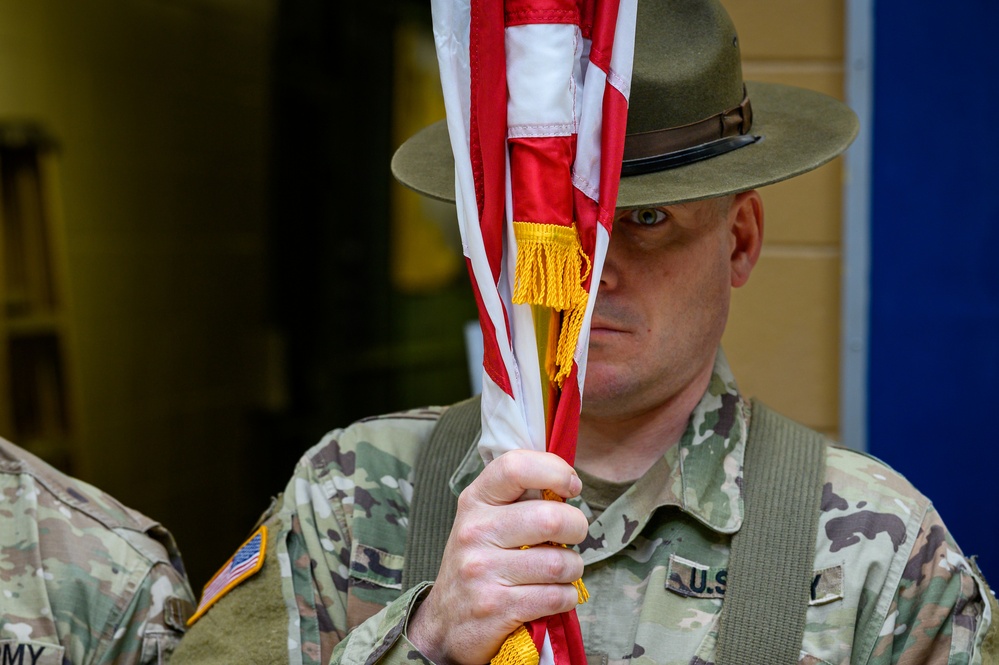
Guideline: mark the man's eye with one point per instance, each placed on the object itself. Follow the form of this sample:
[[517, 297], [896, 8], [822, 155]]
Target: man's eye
[[647, 216]]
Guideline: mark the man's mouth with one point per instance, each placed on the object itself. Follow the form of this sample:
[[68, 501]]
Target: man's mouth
[[606, 326], [611, 320]]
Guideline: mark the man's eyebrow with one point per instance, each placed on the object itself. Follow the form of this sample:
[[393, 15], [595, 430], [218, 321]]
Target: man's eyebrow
[[624, 212]]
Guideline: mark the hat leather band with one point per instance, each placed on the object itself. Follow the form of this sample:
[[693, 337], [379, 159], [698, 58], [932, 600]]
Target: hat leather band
[[675, 146]]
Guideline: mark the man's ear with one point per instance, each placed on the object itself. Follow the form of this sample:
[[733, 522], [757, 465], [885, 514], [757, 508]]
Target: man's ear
[[745, 218]]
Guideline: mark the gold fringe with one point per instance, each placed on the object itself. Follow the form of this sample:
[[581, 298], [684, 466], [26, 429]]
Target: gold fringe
[[572, 325], [518, 649], [550, 270], [551, 353], [549, 265]]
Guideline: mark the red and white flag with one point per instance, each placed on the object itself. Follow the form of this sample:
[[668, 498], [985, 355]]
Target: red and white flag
[[536, 94]]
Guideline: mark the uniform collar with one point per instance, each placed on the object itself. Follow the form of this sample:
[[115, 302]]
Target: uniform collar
[[711, 453]]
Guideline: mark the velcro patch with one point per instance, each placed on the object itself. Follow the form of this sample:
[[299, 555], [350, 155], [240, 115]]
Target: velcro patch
[[176, 613], [827, 585], [693, 580], [247, 560]]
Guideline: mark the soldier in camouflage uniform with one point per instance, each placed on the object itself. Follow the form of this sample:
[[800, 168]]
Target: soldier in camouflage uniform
[[656, 494], [84, 579]]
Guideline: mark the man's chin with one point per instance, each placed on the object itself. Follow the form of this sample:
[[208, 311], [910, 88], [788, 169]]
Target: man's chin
[[602, 388]]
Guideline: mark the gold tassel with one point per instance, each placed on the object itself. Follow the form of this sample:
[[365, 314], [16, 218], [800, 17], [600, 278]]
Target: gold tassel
[[572, 325], [551, 353], [582, 595], [518, 649], [550, 271]]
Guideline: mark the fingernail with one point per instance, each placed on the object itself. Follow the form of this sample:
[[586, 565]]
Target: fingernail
[[575, 485]]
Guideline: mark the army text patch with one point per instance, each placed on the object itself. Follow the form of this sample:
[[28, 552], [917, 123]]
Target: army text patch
[[30, 653], [693, 580]]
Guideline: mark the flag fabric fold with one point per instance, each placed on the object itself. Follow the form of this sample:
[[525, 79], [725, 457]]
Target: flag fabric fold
[[536, 95]]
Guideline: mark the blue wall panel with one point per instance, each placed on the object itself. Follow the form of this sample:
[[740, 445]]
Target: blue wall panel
[[934, 337]]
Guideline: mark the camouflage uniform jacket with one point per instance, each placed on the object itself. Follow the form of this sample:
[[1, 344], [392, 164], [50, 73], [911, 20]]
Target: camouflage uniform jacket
[[890, 584], [84, 579]]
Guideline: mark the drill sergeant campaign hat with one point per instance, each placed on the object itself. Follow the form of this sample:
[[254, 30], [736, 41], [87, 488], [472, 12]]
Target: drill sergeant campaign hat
[[695, 130]]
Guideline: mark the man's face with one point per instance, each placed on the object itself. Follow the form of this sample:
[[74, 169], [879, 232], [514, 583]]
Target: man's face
[[661, 307]]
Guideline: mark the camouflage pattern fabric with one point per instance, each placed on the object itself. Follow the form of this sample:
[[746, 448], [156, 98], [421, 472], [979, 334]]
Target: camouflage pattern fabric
[[890, 585], [83, 578]]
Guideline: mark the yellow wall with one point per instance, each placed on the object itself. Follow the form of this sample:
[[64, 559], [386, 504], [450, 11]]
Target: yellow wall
[[160, 109], [783, 335]]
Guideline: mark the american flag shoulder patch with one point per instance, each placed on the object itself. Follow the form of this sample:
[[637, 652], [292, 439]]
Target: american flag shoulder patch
[[247, 560]]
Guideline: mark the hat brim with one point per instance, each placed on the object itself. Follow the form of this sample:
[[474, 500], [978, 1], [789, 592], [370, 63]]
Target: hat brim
[[799, 131]]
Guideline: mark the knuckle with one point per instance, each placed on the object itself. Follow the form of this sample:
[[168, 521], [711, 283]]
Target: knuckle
[[469, 532], [555, 566], [553, 599], [517, 465], [569, 598], [462, 535], [488, 606], [579, 528], [571, 565], [559, 522], [473, 567], [526, 468], [466, 500], [547, 520]]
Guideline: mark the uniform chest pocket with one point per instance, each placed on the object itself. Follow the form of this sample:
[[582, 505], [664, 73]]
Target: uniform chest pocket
[[375, 581], [697, 582], [376, 567]]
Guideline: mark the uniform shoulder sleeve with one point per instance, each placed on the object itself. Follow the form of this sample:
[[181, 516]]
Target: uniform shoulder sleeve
[[339, 530], [248, 624], [110, 582], [919, 599]]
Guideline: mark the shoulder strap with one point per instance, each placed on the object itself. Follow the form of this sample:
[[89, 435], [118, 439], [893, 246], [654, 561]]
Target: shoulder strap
[[783, 473], [434, 504]]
